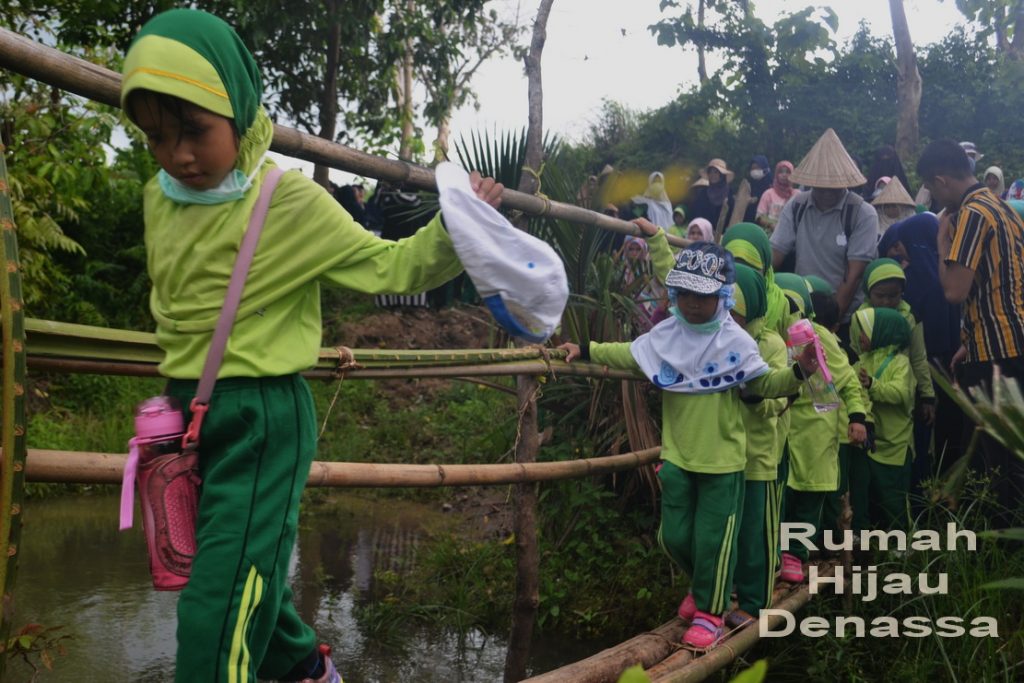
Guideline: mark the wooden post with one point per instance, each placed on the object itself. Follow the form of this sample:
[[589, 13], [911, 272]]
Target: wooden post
[[527, 596]]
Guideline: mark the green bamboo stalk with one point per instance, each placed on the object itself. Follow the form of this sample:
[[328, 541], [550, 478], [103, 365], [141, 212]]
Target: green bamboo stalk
[[12, 399]]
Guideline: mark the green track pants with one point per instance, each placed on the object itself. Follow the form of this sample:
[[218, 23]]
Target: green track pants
[[235, 617], [878, 493], [700, 520], [757, 548], [804, 507]]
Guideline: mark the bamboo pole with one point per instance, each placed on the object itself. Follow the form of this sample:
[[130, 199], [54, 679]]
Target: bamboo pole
[[12, 405], [536, 368], [46, 64], [81, 467]]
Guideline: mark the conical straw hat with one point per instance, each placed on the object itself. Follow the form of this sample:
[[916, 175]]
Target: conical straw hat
[[828, 165], [894, 193]]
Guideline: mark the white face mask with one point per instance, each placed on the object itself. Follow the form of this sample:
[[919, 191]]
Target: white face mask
[[756, 174], [234, 186]]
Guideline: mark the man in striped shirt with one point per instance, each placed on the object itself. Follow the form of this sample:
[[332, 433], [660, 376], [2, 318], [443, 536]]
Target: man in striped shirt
[[981, 264]]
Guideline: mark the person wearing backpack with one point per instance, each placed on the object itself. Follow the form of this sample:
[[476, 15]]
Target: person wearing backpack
[[828, 230]]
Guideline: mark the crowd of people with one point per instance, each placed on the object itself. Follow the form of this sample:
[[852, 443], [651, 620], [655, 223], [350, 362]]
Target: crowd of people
[[889, 285]]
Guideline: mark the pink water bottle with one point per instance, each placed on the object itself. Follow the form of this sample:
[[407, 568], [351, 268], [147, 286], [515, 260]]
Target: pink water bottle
[[168, 483], [819, 385]]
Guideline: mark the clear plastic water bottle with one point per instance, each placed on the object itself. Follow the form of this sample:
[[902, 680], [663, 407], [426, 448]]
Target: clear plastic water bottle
[[820, 388]]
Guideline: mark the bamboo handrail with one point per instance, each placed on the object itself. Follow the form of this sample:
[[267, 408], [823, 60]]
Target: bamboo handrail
[[55, 466], [95, 82]]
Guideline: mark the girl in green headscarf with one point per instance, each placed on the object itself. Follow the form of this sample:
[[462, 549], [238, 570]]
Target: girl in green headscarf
[[749, 244], [194, 90], [884, 282], [880, 478], [812, 468], [766, 422]]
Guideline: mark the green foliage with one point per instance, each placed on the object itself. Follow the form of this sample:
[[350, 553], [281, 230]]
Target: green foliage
[[602, 570], [36, 645], [55, 158]]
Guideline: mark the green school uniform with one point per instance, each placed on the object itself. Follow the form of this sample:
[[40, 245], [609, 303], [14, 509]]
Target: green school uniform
[[702, 432], [813, 436]]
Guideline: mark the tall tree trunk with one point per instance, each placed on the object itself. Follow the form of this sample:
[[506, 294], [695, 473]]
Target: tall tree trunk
[[702, 64], [406, 107], [908, 84], [527, 597], [1016, 48], [329, 97], [444, 132]]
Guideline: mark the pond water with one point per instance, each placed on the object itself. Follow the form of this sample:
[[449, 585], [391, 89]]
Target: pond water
[[77, 571]]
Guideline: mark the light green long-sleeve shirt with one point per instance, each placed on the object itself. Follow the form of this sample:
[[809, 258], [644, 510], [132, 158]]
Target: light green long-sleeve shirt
[[761, 420], [308, 239], [814, 436], [917, 353], [702, 432], [892, 404]]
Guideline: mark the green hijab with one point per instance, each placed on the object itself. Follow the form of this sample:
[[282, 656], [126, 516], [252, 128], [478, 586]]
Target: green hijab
[[885, 327], [751, 297], [882, 269], [819, 285], [794, 286], [749, 244], [197, 57]]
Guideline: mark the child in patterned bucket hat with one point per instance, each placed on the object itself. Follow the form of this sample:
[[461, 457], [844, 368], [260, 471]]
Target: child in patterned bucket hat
[[703, 360]]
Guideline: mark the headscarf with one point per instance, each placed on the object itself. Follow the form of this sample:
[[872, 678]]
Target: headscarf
[[757, 187], [998, 173], [698, 359], [707, 232], [880, 185], [197, 57], [749, 243], [886, 328], [783, 188], [751, 298], [819, 284], [882, 269], [923, 291], [794, 286], [1016, 191], [659, 208], [222, 75]]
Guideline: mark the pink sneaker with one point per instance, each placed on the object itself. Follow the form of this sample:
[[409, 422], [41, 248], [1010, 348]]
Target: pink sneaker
[[704, 633], [792, 569], [687, 608], [331, 674]]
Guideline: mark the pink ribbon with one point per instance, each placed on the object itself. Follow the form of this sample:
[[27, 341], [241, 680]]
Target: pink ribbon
[[128, 485]]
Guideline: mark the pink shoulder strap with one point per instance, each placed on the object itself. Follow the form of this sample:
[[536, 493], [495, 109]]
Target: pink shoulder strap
[[214, 357]]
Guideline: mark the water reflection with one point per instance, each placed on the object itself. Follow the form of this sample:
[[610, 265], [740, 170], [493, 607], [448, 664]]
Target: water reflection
[[78, 571]]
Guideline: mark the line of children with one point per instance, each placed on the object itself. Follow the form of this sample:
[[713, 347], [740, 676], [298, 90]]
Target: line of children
[[813, 444], [704, 361]]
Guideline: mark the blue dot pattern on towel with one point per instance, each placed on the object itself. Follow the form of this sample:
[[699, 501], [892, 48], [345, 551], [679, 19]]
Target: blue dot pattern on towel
[[530, 264]]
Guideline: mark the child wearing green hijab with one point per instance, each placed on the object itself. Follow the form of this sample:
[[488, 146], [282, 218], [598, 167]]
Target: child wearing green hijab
[[749, 245], [813, 444], [880, 479], [194, 90], [758, 540], [884, 282]]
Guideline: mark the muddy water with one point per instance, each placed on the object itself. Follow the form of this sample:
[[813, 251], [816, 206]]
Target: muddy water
[[78, 572]]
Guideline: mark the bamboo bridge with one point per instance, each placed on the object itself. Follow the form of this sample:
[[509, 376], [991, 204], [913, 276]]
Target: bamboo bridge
[[63, 347]]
